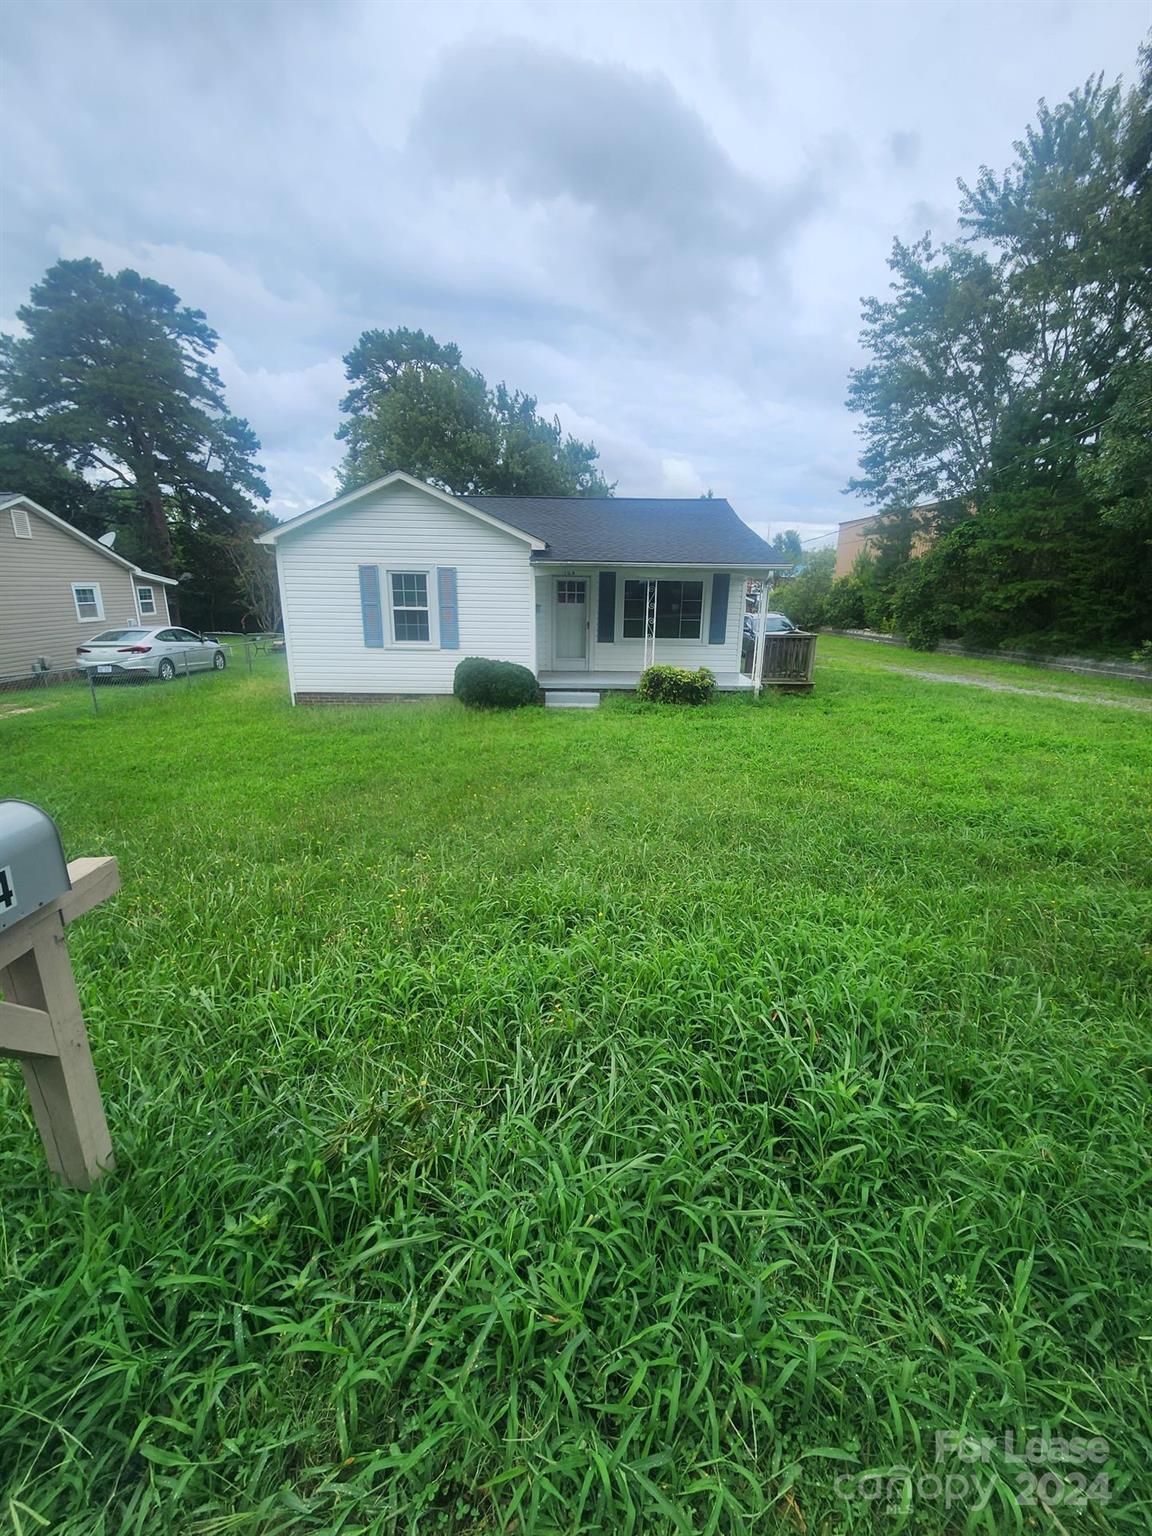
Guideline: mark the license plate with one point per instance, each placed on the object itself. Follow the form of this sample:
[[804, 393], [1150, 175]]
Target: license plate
[[103, 669]]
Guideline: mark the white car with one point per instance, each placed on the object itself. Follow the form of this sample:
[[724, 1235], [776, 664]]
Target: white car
[[119, 653]]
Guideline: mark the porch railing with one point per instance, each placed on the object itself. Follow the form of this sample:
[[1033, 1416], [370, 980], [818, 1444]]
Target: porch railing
[[788, 660]]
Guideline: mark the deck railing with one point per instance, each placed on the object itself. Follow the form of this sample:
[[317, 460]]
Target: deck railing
[[789, 660]]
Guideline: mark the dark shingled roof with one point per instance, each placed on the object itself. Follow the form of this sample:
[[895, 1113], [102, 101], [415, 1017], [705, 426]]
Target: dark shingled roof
[[649, 530]]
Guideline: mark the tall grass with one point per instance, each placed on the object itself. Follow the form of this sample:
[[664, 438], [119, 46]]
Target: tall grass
[[632, 1121]]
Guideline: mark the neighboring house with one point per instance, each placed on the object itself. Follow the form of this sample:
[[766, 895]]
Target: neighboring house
[[855, 536], [384, 590], [58, 588]]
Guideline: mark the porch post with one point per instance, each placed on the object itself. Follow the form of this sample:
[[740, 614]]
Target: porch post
[[650, 624], [758, 654]]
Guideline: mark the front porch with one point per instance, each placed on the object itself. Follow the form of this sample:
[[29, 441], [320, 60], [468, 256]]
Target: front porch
[[625, 682]]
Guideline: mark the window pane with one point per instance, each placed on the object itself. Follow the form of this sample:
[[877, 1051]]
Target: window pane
[[409, 589], [635, 598], [691, 609], [411, 624]]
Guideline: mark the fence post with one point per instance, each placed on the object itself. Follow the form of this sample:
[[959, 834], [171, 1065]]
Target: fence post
[[92, 689], [248, 654]]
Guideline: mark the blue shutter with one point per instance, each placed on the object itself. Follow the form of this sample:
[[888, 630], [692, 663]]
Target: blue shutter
[[606, 608], [449, 613], [718, 618], [370, 611]]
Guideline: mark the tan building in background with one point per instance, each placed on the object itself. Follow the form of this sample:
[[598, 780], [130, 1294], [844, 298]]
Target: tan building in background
[[58, 588], [855, 535], [851, 541]]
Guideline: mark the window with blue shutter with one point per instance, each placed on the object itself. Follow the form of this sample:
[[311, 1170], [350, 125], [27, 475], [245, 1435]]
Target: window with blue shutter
[[370, 611], [449, 612], [718, 618], [606, 607]]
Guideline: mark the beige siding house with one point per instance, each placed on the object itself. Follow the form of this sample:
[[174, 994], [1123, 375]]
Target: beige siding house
[[58, 588]]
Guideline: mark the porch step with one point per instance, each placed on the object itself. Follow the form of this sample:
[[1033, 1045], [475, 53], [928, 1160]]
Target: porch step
[[564, 698]]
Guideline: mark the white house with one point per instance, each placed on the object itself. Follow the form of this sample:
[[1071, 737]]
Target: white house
[[385, 589]]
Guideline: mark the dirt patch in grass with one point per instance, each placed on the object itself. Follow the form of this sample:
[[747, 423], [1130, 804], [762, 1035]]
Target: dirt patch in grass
[[1109, 701]]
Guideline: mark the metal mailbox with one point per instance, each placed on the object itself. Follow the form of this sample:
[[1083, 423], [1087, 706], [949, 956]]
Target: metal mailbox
[[33, 870]]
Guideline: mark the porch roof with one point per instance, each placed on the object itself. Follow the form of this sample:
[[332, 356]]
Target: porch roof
[[633, 530]]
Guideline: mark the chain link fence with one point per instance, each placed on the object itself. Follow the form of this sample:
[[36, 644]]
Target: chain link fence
[[102, 684]]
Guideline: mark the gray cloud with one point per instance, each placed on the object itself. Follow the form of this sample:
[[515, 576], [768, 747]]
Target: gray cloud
[[657, 218], [904, 148], [626, 166]]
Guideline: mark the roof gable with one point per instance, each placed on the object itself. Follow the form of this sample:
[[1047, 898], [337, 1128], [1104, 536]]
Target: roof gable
[[14, 498], [398, 477], [622, 530]]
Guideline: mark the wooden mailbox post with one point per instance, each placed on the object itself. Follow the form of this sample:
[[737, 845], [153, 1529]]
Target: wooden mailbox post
[[40, 1020]]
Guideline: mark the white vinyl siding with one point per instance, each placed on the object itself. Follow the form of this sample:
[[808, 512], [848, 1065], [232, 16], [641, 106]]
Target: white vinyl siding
[[89, 602], [400, 529], [627, 655]]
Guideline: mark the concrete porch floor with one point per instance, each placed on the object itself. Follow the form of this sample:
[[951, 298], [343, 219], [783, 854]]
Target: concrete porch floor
[[606, 682]]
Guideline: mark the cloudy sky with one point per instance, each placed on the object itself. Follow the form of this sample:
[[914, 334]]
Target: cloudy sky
[[658, 217]]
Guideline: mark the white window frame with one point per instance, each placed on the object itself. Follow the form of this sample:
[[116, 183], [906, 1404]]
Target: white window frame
[[21, 529], [147, 613], [705, 610], [433, 641], [94, 588]]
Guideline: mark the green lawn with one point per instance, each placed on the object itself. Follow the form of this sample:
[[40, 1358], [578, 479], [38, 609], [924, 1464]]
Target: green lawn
[[617, 1121]]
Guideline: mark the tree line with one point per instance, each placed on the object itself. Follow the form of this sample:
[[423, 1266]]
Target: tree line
[[114, 418], [1005, 414], [1006, 404]]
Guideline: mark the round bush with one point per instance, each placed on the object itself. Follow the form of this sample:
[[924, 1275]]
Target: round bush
[[676, 685], [494, 684]]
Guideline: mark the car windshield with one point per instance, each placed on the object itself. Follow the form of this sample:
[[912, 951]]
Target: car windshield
[[114, 636]]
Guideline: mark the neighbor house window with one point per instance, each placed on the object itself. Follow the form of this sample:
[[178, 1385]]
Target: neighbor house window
[[679, 607], [411, 618], [21, 523], [147, 600], [89, 603]]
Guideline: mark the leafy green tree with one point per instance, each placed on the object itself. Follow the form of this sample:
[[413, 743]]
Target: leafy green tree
[[112, 383], [858, 601], [414, 406], [26, 468], [1118, 475], [940, 379], [787, 546], [1007, 388], [803, 596], [1071, 221]]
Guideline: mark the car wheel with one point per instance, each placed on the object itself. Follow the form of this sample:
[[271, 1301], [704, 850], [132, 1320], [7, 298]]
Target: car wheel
[[219, 661], [165, 671]]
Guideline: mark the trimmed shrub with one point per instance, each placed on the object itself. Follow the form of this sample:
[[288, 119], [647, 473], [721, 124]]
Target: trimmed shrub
[[676, 685], [494, 684]]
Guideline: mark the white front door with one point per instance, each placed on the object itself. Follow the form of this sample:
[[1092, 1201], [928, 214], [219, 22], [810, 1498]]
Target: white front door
[[570, 634]]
